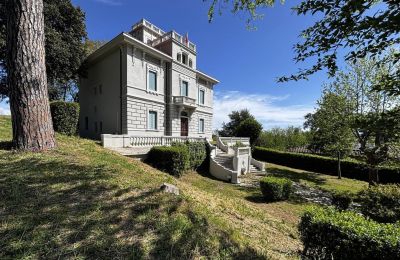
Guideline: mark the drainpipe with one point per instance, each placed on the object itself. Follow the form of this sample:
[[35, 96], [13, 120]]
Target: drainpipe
[[120, 89]]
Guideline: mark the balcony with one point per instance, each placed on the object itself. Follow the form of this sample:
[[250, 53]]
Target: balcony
[[184, 101]]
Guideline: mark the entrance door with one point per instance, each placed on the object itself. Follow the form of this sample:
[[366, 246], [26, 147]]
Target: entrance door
[[184, 126]]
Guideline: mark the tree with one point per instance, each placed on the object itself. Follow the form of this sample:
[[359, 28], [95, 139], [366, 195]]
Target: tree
[[330, 126], [372, 113], [283, 138], [26, 76], [236, 117], [360, 28], [65, 32], [249, 128]]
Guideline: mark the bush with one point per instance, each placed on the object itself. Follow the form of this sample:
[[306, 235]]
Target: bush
[[197, 154], [327, 165], [65, 117], [342, 200], [330, 234], [172, 159], [381, 203], [274, 188]]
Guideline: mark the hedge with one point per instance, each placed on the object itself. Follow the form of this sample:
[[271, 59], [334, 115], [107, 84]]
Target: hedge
[[330, 234], [275, 189], [381, 203], [65, 117], [179, 157], [326, 165], [172, 159]]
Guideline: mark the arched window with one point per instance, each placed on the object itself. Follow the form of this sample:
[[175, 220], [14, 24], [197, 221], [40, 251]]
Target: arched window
[[178, 57], [190, 63]]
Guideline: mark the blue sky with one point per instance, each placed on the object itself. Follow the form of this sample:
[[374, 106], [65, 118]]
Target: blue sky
[[247, 62]]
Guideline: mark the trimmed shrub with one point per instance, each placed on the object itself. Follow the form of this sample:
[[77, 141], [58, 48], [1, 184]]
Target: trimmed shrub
[[330, 234], [172, 159], [309, 162], [65, 117], [197, 154], [342, 200], [275, 189], [381, 203]]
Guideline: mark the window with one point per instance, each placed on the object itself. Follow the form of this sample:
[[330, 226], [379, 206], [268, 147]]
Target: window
[[190, 63], [86, 123], [201, 97], [178, 57], [95, 91], [100, 89], [152, 80], [201, 126], [152, 122], [184, 88], [184, 58]]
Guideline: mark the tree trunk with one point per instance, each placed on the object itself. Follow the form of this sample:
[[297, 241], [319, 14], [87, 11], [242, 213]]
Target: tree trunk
[[26, 76], [339, 170], [373, 176]]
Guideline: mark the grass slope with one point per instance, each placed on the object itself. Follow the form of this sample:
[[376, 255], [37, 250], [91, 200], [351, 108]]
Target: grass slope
[[82, 201]]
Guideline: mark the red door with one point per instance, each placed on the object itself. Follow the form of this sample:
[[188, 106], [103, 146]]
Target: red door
[[184, 126]]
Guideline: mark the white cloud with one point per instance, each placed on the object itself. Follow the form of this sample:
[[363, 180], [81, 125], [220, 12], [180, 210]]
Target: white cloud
[[109, 2], [4, 109], [265, 108]]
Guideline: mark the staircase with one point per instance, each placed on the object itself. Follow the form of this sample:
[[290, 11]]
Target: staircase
[[226, 161]]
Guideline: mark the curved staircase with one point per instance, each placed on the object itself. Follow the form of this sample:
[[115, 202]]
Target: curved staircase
[[223, 157]]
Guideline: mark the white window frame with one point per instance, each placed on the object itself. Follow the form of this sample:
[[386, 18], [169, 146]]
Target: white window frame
[[148, 80], [187, 90], [204, 97], [202, 131], [148, 121]]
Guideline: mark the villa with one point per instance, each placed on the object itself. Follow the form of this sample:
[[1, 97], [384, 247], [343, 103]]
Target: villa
[[143, 89], [146, 83]]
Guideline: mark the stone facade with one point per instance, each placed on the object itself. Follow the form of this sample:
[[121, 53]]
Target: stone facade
[[146, 71]]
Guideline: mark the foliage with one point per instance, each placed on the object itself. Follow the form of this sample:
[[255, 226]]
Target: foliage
[[381, 203], [342, 200], [249, 128], [236, 117], [283, 138], [172, 159], [239, 144], [65, 116], [275, 189], [371, 116], [179, 157], [360, 28], [330, 125], [327, 165], [197, 153], [330, 234], [65, 32]]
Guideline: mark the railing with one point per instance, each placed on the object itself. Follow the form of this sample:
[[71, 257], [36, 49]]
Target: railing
[[233, 140], [140, 141], [127, 141], [183, 100], [149, 25], [219, 171]]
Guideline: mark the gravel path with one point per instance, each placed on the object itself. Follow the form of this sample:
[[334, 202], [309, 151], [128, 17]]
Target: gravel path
[[302, 191]]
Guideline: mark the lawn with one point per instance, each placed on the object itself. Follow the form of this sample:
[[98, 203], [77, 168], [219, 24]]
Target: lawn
[[82, 201]]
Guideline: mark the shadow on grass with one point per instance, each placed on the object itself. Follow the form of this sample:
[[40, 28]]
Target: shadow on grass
[[5, 145], [51, 208], [297, 176]]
